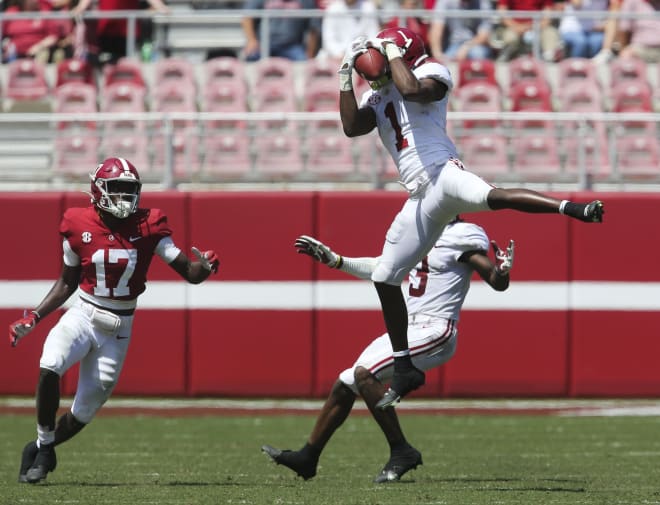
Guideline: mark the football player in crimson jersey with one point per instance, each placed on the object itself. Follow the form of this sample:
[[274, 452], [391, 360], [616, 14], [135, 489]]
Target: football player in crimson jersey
[[436, 292], [107, 250], [408, 106]]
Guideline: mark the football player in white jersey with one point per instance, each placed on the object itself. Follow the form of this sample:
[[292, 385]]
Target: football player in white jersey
[[408, 106], [436, 292]]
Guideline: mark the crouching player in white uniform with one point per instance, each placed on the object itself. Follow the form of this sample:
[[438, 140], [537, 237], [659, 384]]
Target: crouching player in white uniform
[[438, 286], [108, 247], [408, 106]]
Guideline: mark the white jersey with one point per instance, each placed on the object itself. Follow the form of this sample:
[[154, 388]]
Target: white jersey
[[439, 284], [414, 133]]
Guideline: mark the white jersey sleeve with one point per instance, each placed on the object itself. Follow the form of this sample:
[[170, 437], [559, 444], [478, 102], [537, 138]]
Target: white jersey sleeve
[[414, 133], [439, 284], [167, 250]]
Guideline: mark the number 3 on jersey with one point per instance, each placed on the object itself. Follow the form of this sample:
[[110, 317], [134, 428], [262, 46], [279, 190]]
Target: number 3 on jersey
[[114, 257], [390, 112]]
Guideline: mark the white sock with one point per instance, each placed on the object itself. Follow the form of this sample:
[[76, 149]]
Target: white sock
[[44, 436], [401, 354]]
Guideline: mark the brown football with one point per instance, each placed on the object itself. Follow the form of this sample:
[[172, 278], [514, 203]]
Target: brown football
[[371, 65]]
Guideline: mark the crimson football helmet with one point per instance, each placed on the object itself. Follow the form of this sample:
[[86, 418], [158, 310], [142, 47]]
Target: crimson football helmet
[[116, 187], [411, 44]]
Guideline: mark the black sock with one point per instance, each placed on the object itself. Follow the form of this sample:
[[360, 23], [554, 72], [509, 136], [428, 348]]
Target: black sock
[[402, 363], [310, 452], [575, 210]]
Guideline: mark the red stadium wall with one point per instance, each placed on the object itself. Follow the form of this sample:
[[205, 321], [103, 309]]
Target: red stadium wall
[[262, 327]]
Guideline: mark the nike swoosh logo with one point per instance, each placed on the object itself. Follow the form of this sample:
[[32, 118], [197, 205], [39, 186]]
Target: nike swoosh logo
[[119, 337], [133, 239]]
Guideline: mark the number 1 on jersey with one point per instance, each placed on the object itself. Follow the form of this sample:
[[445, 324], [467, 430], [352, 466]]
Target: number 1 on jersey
[[390, 112]]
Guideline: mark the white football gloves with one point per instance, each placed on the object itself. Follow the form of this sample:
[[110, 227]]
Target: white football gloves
[[386, 47], [318, 250], [357, 47], [504, 259]]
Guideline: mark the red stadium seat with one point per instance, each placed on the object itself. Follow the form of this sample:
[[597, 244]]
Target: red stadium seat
[[577, 96], [123, 97], [482, 71], [126, 70], [632, 96], [224, 96], [581, 70], [536, 156], [274, 69], [184, 148], [330, 155], [133, 147], [26, 80], [273, 97], [479, 97], [225, 70], [526, 68], [638, 157], [531, 96], [278, 154], [175, 69], [74, 70], [627, 70], [76, 153], [227, 156], [485, 155], [321, 69], [321, 95], [174, 96], [76, 97], [590, 149]]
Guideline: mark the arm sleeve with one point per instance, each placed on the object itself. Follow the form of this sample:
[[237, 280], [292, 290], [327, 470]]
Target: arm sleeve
[[359, 267], [167, 250], [70, 258]]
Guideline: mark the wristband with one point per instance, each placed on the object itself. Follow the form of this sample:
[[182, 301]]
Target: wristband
[[36, 315], [392, 51], [339, 263]]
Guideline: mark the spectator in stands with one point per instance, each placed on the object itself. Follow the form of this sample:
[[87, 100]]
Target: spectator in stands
[[467, 38], [417, 24], [345, 20], [582, 37], [294, 38], [640, 37], [608, 47], [111, 33], [28, 38], [515, 36]]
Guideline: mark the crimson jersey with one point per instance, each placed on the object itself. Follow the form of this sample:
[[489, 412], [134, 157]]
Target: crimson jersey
[[114, 262]]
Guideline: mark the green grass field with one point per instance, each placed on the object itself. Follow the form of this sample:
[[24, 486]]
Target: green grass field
[[475, 459]]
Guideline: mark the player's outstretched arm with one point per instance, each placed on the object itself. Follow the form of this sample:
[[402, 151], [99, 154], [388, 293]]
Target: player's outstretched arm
[[197, 271], [495, 273], [63, 288], [355, 121], [357, 267]]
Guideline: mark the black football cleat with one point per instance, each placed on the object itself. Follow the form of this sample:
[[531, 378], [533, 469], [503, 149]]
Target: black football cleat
[[27, 459], [293, 460], [593, 212], [402, 384], [400, 463], [45, 462]]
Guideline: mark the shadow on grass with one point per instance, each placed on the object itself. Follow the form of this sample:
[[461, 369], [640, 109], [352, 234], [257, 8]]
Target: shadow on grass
[[556, 488]]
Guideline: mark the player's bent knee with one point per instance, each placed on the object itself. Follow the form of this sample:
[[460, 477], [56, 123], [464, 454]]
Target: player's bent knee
[[363, 376]]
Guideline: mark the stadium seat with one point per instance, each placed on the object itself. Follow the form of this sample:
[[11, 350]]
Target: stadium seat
[[76, 153], [577, 96], [321, 69], [125, 71], [133, 147], [638, 157], [485, 155], [536, 156], [174, 69], [26, 80], [74, 70], [321, 95], [225, 70], [76, 97], [627, 70], [172, 96], [479, 97], [526, 68], [482, 71], [531, 96], [580, 70], [373, 159], [330, 155], [273, 97], [184, 146], [224, 96], [278, 154], [274, 69], [594, 155], [632, 96], [123, 97], [227, 156]]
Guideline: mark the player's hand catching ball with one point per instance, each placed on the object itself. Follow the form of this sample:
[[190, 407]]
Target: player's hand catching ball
[[18, 329], [318, 250], [208, 259], [504, 258]]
